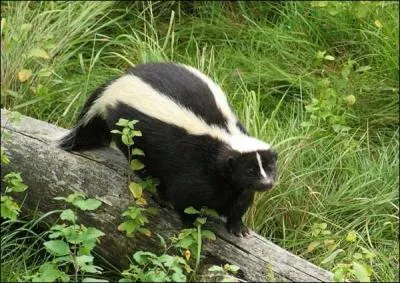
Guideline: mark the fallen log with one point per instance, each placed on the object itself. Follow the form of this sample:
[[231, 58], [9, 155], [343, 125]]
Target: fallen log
[[50, 172]]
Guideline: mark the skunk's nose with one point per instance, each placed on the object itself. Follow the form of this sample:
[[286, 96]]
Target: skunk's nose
[[267, 182]]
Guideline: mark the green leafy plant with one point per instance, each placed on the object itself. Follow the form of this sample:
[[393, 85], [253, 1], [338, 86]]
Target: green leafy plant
[[13, 181], [136, 216], [348, 260], [354, 263], [327, 108], [190, 239], [70, 245], [149, 267]]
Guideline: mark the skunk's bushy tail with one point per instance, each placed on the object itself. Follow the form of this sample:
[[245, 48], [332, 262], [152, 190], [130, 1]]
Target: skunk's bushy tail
[[87, 134]]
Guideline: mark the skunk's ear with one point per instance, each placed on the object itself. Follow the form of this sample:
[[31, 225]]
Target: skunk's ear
[[227, 160], [274, 154]]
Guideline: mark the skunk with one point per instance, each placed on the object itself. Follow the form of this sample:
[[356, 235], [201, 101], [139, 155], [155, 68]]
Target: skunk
[[192, 140]]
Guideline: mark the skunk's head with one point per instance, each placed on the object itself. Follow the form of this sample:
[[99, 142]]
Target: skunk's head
[[254, 170]]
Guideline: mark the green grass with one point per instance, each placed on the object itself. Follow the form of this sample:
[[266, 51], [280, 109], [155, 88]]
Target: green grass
[[264, 56]]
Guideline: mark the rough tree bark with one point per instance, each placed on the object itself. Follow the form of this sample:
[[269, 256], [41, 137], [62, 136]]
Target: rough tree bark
[[51, 172]]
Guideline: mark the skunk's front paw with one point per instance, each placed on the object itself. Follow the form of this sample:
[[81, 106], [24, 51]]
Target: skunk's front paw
[[238, 229]]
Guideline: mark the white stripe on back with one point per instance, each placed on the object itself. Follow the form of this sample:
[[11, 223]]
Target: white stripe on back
[[136, 93]]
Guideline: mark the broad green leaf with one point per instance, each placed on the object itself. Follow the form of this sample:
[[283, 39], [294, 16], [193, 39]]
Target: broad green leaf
[[48, 272], [361, 272], [122, 122], [137, 133], [136, 189], [201, 220], [166, 259], [88, 204], [186, 242], [142, 257], [154, 276], [129, 226], [131, 124], [90, 268], [9, 208], [57, 247], [136, 165], [178, 277], [24, 75], [332, 256], [191, 210], [208, 235], [55, 235], [137, 151], [83, 259], [68, 215], [210, 212], [126, 139], [63, 259], [91, 233], [116, 132], [38, 52], [14, 182]]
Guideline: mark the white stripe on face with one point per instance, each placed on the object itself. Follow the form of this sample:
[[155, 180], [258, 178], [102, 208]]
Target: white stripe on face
[[260, 165]]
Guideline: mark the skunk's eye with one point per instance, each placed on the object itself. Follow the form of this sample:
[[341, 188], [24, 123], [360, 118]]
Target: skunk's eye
[[251, 171]]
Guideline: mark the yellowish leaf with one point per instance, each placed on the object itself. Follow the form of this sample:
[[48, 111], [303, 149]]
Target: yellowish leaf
[[378, 24], [351, 236], [38, 52], [187, 254], [145, 232], [24, 75], [312, 246], [136, 189], [141, 201]]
